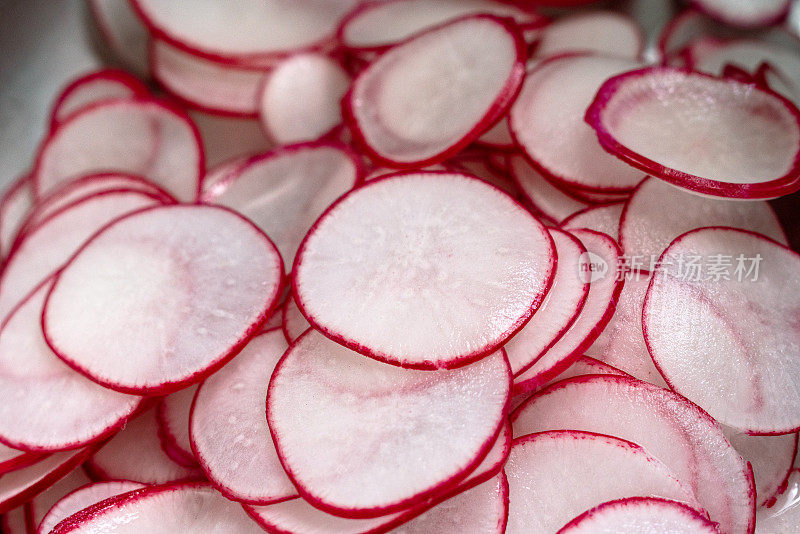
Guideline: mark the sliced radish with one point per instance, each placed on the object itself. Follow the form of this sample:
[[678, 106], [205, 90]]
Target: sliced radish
[[748, 54], [173, 425], [668, 426], [426, 99], [13, 459], [477, 164], [300, 98], [48, 406], [206, 276], [745, 13], [703, 329], [95, 87], [204, 84], [137, 136], [285, 191], [248, 32], [641, 515], [14, 522], [599, 267], [186, 507], [47, 247], [544, 196], [558, 311], [603, 219], [586, 365], [397, 269], [771, 458], [226, 139], [39, 505], [554, 476], [602, 32], [135, 454], [15, 206], [498, 137], [657, 213], [123, 32], [386, 419], [547, 121], [83, 498], [747, 146], [229, 433], [293, 323], [216, 176]]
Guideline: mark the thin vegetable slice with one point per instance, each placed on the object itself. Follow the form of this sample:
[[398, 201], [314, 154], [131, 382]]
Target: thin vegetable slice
[[83, 498], [771, 458], [38, 507], [601, 32], [544, 196], [173, 426], [745, 13], [604, 219]]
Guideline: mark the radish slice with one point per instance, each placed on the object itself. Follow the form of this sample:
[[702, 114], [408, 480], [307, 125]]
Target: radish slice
[[745, 13], [13, 522], [749, 54], [558, 311], [640, 515], [586, 365], [748, 146], [47, 247], [137, 136], [229, 433], [599, 266], [15, 206], [216, 176], [426, 99], [300, 99], [83, 498], [135, 454], [544, 196], [387, 418], [603, 219], [20, 486], [95, 87], [248, 32], [187, 507], [206, 276], [397, 270], [204, 84], [39, 505], [601, 32], [771, 458], [13, 459], [293, 323], [123, 32], [48, 406], [702, 329], [657, 213], [553, 476], [547, 121], [173, 426], [283, 192], [668, 426], [478, 166], [228, 138]]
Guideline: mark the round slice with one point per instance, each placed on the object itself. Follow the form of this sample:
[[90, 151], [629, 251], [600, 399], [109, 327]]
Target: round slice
[[426, 99], [397, 269], [351, 431], [173, 425], [747, 146], [718, 308], [745, 13], [603, 218], [641, 515], [554, 476], [83, 498], [177, 292], [229, 433], [602, 32]]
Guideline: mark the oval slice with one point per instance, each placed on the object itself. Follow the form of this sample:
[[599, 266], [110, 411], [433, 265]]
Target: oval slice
[[83, 498]]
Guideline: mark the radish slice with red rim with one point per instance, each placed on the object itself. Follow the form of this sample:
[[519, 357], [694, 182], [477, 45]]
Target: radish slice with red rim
[[14, 521], [544, 196], [226, 139], [748, 146], [744, 13], [558, 311], [669, 427], [48, 246], [396, 269], [386, 417], [771, 458], [293, 323], [301, 96], [82, 498], [184, 507], [603, 219], [547, 122], [229, 433], [729, 317], [601, 32], [554, 476], [173, 426], [204, 84], [135, 454], [38, 507], [95, 87], [213, 181], [49, 406], [641, 515], [137, 136], [123, 32], [657, 213], [586, 365], [13, 459], [206, 276], [599, 267], [427, 98], [15, 206], [283, 192]]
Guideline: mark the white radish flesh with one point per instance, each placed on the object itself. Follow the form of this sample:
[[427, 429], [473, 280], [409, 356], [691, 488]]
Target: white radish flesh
[[604, 219], [601, 32], [173, 425], [745, 13], [83, 498], [640, 515]]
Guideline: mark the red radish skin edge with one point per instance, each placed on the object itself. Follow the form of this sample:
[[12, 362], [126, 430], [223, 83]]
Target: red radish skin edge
[[783, 185], [492, 116], [381, 357], [583, 211], [220, 362]]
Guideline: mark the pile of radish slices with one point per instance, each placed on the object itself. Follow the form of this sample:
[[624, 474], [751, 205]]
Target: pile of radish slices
[[410, 266]]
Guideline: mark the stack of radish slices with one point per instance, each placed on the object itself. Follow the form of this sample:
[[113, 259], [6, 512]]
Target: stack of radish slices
[[411, 266]]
